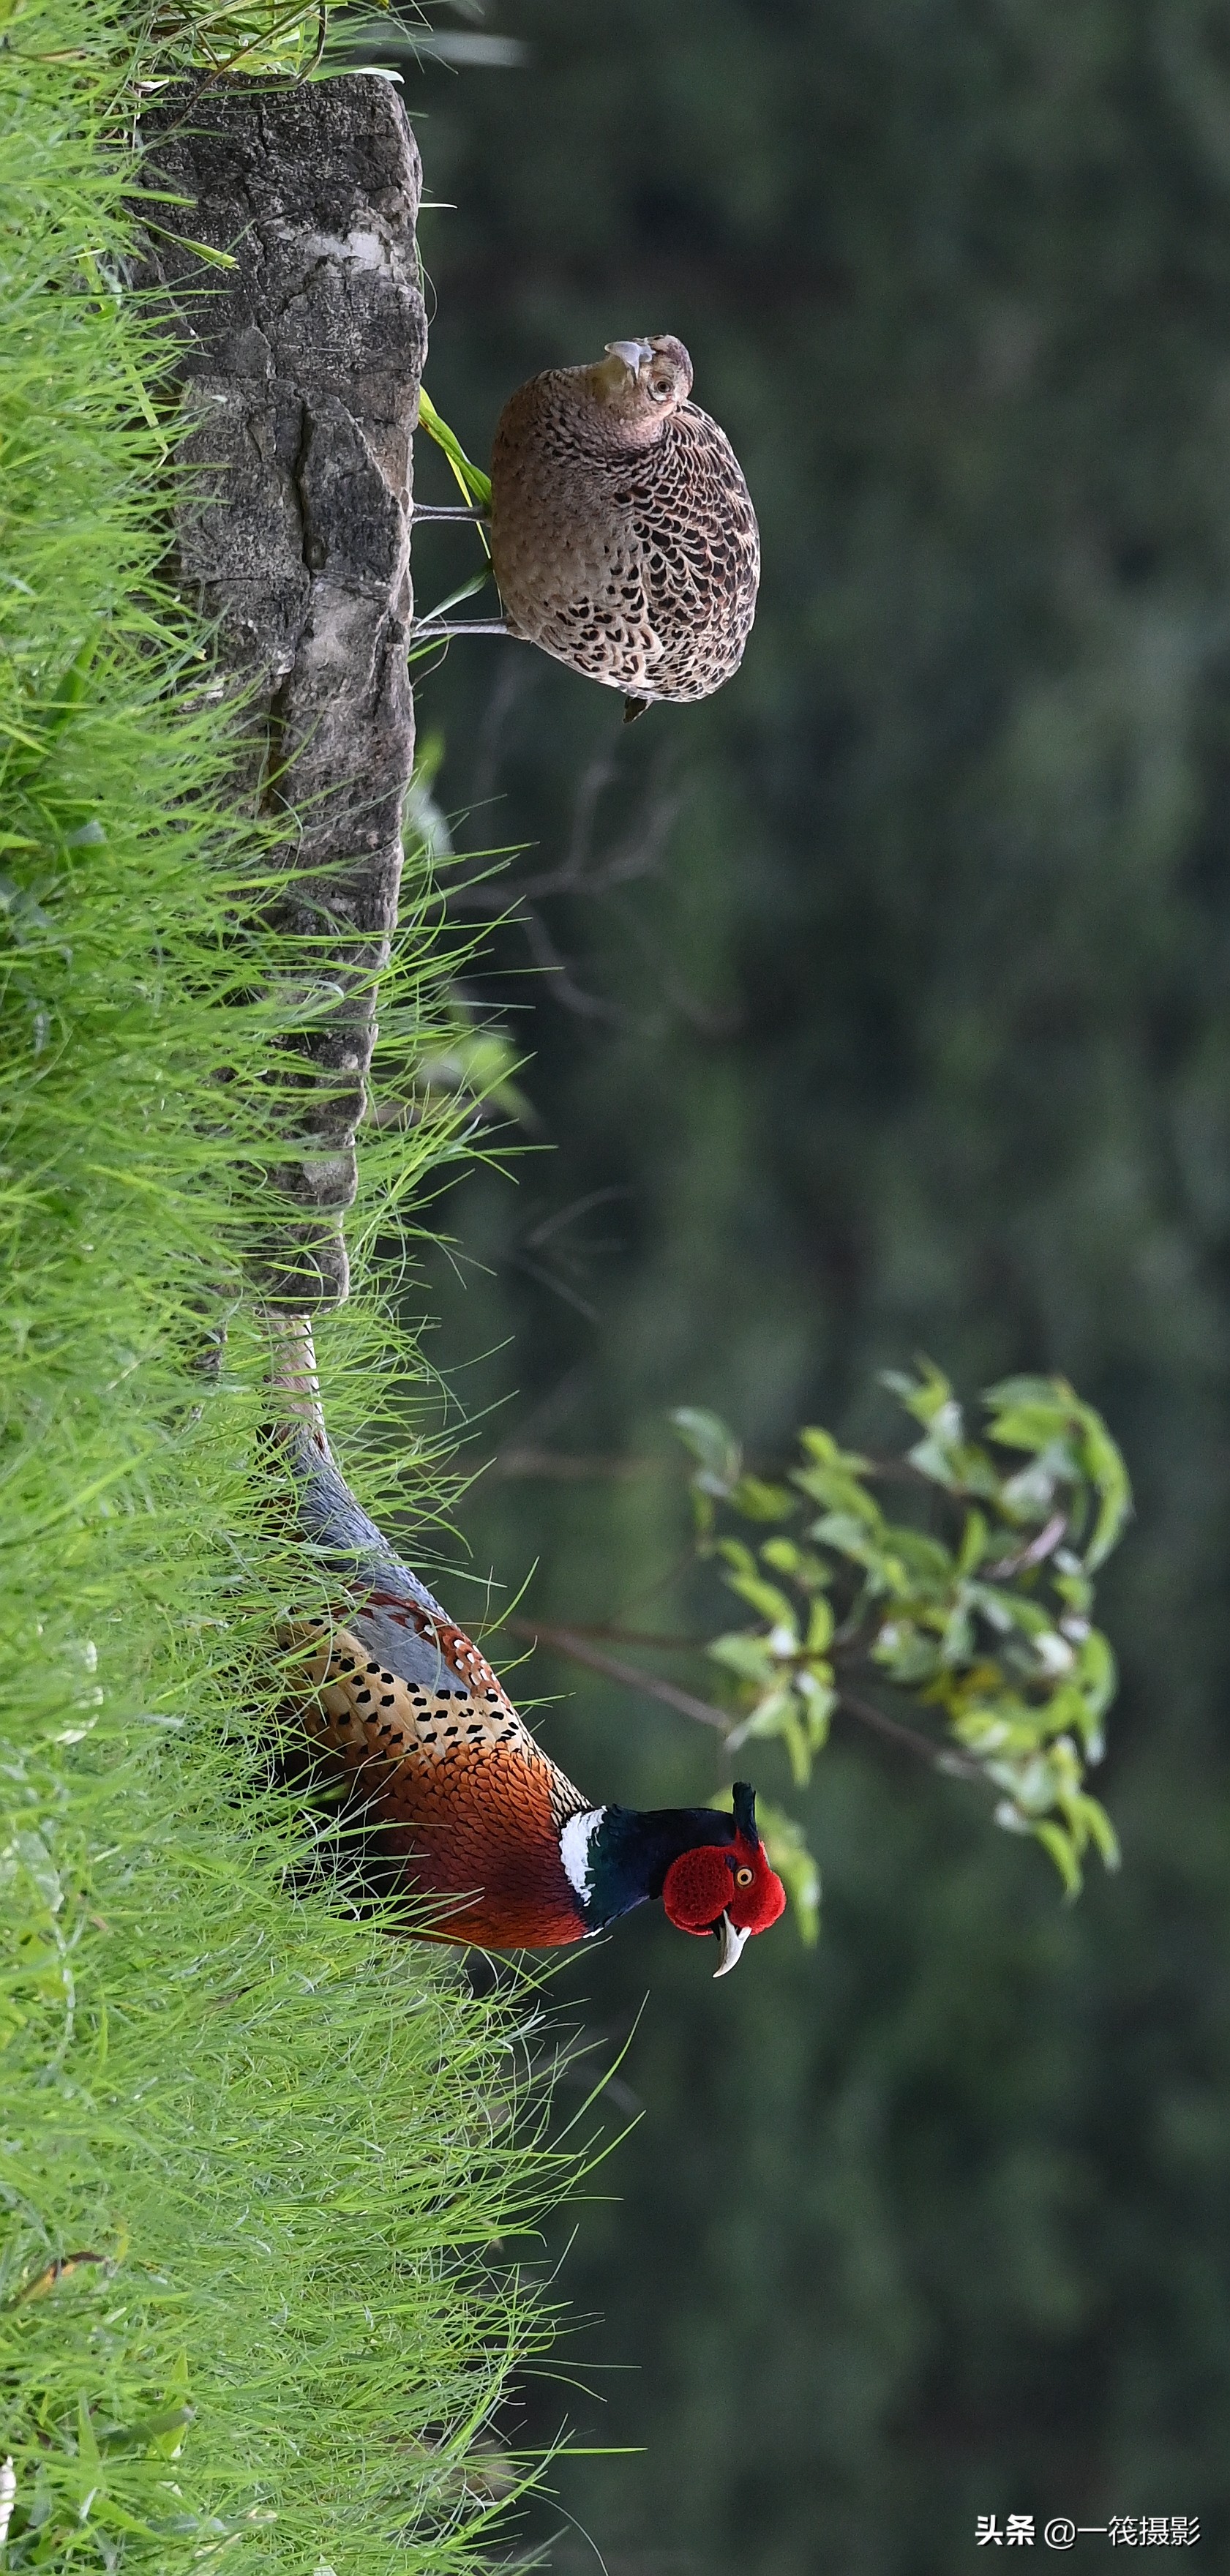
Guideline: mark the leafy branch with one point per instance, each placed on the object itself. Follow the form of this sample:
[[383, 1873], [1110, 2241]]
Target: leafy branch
[[982, 1619], [991, 1625]]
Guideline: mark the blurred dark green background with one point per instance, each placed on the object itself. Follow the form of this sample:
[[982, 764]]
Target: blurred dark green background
[[878, 1005]]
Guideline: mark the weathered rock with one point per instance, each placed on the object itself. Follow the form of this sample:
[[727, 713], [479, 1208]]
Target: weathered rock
[[301, 370]]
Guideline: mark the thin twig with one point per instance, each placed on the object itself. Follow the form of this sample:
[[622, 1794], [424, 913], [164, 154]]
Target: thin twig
[[673, 1645], [661, 1582], [578, 1468], [937, 1755], [575, 1644], [565, 1641]]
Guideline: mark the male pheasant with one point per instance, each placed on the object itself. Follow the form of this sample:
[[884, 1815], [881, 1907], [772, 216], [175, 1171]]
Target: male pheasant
[[467, 1808], [623, 537]]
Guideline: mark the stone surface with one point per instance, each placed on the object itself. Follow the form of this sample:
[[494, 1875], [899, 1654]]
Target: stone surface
[[301, 368]]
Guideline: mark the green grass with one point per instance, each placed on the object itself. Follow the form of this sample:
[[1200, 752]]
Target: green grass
[[297, 2152]]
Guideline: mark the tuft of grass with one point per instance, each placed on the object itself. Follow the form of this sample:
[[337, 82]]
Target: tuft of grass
[[262, 2170]]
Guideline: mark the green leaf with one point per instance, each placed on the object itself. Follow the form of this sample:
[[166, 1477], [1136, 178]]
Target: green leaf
[[924, 1557], [1106, 1466], [766, 1598], [1021, 1390], [798, 1742], [1062, 1851], [929, 1397], [704, 1510], [1030, 1426], [974, 1544], [821, 1447], [1031, 1492], [474, 483], [714, 1447], [902, 1650], [1005, 1609], [814, 1687], [1096, 1673], [956, 1465], [200, 250], [760, 1502], [745, 1655], [465, 590], [1046, 1416], [770, 1716], [1101, 1831], [841, 1530], [1075, 1590], [841, 1491], [737, 1554], [819, 1628], [782, 1554], [957, 1643], [799, 1874]]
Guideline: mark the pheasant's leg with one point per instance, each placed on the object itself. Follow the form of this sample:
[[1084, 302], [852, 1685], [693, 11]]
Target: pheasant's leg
[[476, 515], [292, 1369], [435, 627]]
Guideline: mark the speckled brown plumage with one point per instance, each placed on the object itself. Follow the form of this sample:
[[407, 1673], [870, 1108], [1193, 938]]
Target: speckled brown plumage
[[623, 537], [447, 1769]]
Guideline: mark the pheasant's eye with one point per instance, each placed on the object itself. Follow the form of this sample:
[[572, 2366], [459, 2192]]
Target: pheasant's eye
[[659, 392], [743, 1877]]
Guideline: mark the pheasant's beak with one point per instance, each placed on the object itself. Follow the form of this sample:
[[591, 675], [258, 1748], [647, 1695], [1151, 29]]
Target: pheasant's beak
[[633, 353], [732, 1946]]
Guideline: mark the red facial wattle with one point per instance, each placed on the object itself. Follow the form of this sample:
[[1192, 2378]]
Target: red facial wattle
[[723, 1888]]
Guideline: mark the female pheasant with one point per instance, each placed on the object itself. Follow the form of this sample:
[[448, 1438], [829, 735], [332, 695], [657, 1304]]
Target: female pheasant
[[623, 537], [464, 1803]]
